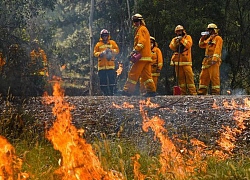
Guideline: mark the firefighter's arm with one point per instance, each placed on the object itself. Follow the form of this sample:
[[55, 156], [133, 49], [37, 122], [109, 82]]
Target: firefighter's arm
[[173, 44], [159, 59], [44, 57], [115, 49], [141, 40], [218, 49], [32, 55], [203, 42], [97, 52], [187, 42]]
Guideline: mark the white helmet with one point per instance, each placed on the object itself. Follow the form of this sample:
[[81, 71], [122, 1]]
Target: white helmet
[[104, 31]]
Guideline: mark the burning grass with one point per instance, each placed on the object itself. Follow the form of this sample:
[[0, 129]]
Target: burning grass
[[60, 151]]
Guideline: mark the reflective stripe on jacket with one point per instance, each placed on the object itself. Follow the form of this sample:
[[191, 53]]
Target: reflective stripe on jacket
[[213, 46], [157, 59], [103, 63], [185, 57], [142, 43]]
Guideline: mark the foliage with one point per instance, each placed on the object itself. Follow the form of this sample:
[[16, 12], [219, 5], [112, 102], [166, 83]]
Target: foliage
[[62, 29]]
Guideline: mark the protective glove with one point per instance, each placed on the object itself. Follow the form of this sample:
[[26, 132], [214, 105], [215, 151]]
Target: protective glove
[[109, 55], [133, 52], [108, 50], [102, 54], [178, 38]]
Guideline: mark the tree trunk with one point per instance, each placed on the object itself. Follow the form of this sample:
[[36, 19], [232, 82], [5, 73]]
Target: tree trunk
[[91, 47]]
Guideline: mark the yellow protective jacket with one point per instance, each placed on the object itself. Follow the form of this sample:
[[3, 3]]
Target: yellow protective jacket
[[39, 54], [103, 63], [213, 47], [185, 58], [2, 60], [142, 43], [41, 58], [157, 61]]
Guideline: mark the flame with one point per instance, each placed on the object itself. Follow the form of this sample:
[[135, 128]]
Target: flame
[[137, 174], [78, 158], [172, 162], [10, 165], [228, 137], [120, 68], [63, 67], [125, 105], [214, 106], [150, 104]]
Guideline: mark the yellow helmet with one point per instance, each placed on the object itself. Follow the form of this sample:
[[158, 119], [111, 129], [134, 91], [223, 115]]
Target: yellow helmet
[[212, 26], [179, 27], [137, 16]]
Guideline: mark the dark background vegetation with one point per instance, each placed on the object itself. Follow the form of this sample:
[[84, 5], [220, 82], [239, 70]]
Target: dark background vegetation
[[62, 28]]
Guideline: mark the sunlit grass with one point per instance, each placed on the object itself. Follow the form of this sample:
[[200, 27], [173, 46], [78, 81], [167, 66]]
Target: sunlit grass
[[39, 160]]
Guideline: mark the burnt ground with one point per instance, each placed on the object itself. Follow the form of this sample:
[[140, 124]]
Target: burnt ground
[[185, 116]]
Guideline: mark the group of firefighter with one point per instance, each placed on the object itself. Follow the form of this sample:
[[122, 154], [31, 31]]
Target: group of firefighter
[[38, 59], [147, 61], [25, 75]]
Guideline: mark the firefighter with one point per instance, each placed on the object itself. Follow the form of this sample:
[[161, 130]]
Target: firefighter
[[157, 63], [182, 60], [2, 60], [210, 71], [141, 68], [39, 63], [106, 50]]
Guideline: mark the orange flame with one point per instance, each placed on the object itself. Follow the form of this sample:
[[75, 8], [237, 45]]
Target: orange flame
[[63, 67], [120, 68], [124, 105], [78, 158], [137, 174], [172, 162], [228, 137], [10, 165], [214, 106]]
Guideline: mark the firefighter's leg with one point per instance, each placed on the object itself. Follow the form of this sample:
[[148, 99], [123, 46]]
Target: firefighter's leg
[[133, 76], [146, 76], [215, 79], [190, 80], [204, 82], [155, 79], [103, 82], [181, 79], [112, 81], [142, 87], [155, 75]]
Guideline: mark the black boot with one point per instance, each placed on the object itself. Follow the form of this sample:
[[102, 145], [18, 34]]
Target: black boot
[[150, 94]]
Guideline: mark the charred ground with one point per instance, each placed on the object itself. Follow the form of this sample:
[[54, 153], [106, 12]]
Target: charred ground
[[185, 117]]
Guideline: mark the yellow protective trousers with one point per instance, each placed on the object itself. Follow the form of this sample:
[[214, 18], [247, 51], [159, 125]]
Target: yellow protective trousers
[[140, 69], [207, 75], [155, 75], [186, 80]]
